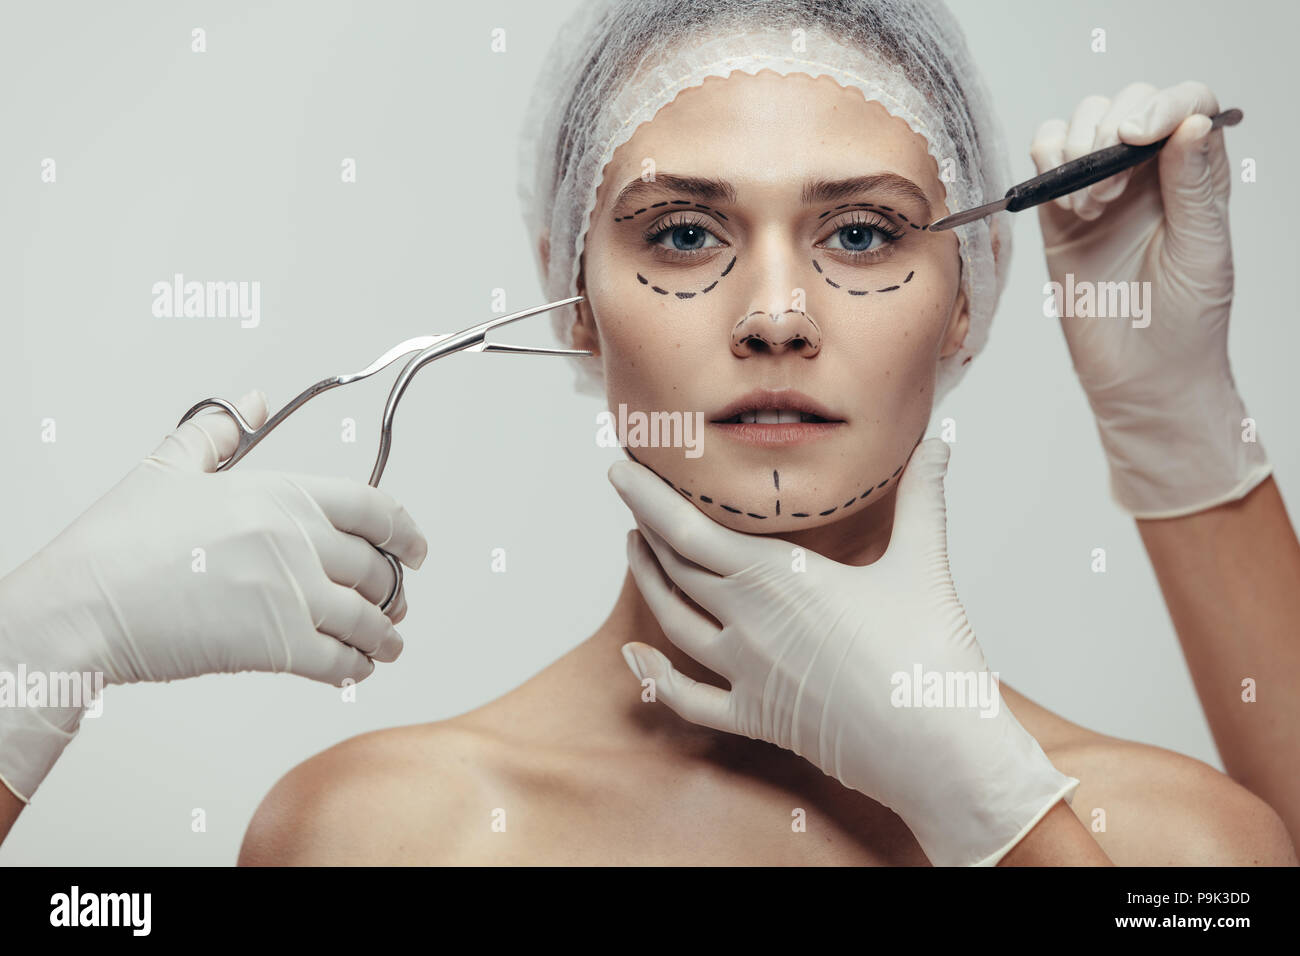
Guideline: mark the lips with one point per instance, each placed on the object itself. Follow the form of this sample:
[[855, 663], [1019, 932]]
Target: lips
[[765, 406], [776, 419]]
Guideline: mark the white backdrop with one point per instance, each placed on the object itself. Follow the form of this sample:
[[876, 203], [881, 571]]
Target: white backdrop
[[225, 165]]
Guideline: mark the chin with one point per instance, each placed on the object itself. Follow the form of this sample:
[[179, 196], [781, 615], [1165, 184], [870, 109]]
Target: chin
[[759, 496]]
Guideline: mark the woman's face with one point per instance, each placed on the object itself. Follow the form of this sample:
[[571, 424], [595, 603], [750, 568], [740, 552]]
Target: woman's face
[[763, 232]]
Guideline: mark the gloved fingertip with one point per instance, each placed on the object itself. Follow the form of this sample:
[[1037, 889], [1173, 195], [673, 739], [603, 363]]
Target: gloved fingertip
[[392, 645], [252, 405], [633, 662], [1201, 129], [359, 667], [617, 474], [1184, 157], [1110, 189], [938, 452], [1142, 120]]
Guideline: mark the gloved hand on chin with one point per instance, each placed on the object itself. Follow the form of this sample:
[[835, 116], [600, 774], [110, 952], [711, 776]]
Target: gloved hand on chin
[[812, 655]]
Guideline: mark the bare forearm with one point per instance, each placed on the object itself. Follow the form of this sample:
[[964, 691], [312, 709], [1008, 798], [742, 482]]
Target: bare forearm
[[1059, 839], [10, 807], [1231, 580]]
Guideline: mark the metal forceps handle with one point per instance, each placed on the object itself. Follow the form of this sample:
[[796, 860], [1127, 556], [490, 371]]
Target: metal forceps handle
[[472, 339], [425, 345], [249, 436]]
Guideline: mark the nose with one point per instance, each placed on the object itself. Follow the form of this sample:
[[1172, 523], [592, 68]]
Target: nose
[[777, 333]]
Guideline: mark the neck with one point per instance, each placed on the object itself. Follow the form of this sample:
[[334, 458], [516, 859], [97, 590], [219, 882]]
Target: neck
[[858, 540]]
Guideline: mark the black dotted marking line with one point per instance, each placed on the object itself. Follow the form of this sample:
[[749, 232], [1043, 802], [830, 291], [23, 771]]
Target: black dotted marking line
[[796, 514], [787, 341], [776, 481], [672, 202], [872, 205], [689, 295], [836, 285]]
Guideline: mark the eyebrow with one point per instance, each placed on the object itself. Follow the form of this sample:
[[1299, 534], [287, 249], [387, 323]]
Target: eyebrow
[[704, 189], [881, 184], [697, 187]]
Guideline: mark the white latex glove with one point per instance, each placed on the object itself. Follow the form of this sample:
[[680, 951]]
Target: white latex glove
[[810, 656], [1166, 404], [290, 583]]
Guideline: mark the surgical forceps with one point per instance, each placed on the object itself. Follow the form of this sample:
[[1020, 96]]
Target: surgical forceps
[[429, 349]]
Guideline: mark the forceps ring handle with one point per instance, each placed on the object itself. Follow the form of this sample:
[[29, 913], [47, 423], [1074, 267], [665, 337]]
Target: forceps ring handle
[[397, 581], [249, 436], [392, 563]]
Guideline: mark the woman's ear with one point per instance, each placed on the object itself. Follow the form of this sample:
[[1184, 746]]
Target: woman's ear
[[958, 322], [584, 333]]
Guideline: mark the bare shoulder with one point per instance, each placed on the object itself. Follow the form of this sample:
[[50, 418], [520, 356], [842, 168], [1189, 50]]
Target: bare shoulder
[[379, 798], [1147, 806], [1160, 808]]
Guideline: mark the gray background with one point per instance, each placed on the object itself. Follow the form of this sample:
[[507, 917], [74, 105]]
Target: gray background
[[226, 165]]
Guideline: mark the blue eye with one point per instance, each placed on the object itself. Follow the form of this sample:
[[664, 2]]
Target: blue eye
[[868, 238], [857, 238], [688, 238], [686, 235]]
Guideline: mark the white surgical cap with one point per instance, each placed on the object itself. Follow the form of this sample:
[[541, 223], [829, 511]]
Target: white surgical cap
[[616, 63]]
